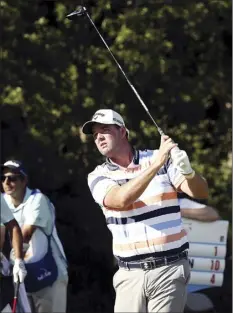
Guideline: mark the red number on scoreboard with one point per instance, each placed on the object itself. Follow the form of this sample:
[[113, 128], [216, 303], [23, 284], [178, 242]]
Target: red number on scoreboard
[[215, 265], [212, 279], [215, 251]]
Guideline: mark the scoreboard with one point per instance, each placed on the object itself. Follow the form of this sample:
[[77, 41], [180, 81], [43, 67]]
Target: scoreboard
[[207, 252]]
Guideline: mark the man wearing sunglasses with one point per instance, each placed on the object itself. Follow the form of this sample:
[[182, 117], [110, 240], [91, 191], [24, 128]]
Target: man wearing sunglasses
[[36, 216]]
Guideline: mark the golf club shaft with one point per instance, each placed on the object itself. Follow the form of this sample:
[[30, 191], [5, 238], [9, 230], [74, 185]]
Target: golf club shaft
[[122, 71], [175, 149], [15, 300], [83, 11]]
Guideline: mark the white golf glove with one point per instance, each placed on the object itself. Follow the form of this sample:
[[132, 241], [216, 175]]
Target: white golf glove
[[19, 271], [181, 162]]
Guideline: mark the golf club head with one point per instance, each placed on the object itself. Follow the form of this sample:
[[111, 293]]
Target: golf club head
[[79, 12]]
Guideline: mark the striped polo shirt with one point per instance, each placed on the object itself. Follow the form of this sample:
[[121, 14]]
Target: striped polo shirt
[[152, 225]]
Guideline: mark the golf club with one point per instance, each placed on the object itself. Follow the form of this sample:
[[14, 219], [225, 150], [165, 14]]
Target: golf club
[[16, 293], [83, 11]]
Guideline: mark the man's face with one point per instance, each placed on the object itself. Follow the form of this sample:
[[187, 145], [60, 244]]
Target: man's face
[[13, 183], [107, 138]]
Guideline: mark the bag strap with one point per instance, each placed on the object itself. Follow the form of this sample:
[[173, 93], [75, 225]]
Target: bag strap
[[33, 193], [52, 210], [53, 214]]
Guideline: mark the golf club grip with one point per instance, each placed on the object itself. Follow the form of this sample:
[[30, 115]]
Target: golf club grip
[[173, 150], [16, 289]]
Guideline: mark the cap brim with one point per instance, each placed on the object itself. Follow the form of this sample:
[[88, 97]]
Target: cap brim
[[8, 166], [13, 168], [87, 128]]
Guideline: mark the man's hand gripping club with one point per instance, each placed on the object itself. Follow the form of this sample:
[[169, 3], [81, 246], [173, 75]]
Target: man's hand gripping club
[[19, 271], [180, 159]]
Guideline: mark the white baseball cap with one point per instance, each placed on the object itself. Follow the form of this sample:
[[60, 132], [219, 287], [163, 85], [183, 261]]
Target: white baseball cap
[[104, 116], [14, 165]]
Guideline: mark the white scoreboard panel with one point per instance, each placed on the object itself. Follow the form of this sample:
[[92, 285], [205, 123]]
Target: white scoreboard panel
[[207, 253]]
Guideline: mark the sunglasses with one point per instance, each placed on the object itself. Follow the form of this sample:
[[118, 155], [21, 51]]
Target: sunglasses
[[11, 178]]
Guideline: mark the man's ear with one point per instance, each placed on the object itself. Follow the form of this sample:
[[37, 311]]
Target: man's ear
[[123, 132], [26, 180]]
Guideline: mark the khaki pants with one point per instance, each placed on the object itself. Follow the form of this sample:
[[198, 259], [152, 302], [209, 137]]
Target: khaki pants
[[50, 299], [159, 290]]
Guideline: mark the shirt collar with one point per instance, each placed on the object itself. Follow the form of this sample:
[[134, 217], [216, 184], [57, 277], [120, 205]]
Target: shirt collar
[[26, 196], [113, 166]]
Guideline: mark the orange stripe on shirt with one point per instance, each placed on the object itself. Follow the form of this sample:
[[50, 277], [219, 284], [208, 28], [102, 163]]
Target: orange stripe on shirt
[[148, 243], [149, 201]]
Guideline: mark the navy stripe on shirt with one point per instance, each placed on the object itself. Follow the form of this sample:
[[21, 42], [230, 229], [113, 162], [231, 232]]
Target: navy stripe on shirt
[[143, 216]]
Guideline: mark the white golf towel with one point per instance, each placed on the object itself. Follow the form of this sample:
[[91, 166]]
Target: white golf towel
[[7, 309], [24, 305]]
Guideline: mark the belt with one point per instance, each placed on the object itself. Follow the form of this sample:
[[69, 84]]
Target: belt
[[153, 263]]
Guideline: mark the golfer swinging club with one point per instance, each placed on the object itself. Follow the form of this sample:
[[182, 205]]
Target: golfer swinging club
[[137, 191]]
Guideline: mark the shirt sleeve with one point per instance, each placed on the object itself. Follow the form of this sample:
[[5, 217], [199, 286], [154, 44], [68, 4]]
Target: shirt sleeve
[[38, 213], [99, 186], [188, 204], [175, 177], [6, 214]]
